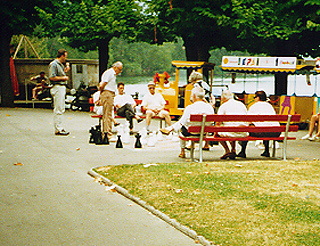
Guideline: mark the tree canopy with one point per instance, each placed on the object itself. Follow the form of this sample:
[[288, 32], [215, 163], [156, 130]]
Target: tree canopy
[[91, 24], [16, 17]]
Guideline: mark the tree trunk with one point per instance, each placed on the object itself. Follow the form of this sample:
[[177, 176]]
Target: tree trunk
[[197, 50], [103, 49], [281, 84], [6, 90]]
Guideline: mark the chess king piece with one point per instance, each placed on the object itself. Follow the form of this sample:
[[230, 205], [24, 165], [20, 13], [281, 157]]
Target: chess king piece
[[119, 143], [138, 143]]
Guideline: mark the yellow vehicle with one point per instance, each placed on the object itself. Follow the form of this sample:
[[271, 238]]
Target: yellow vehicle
[[284, 104], [176, 93]]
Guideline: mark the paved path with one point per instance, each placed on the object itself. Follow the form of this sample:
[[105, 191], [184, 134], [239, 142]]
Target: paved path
[[51, 200]]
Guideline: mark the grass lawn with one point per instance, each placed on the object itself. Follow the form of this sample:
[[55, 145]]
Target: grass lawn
[[232, 203]]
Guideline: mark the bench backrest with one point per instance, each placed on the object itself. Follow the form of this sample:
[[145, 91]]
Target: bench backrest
[[288, 119], [245, 118]]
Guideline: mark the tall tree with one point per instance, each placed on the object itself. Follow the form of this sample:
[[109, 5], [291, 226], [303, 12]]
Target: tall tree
[[91, 24], [16, 17], [278, 28]]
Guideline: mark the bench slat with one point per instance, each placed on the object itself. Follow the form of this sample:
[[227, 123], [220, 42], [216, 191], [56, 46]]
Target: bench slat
[[196, 129], [244, 118]]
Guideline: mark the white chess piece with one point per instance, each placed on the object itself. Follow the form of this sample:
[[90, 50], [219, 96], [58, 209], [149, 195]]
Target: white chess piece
[[159, 136], [152, 140], [144, 133]]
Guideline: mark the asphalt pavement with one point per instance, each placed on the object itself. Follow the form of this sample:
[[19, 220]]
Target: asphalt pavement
[[48, 198]]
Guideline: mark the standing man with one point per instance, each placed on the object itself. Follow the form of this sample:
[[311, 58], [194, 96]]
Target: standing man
[[57, 75], [108, 87]]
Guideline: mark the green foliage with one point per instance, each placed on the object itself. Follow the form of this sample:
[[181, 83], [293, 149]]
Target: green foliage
[[144, 59], [87, 22], [271, 27]]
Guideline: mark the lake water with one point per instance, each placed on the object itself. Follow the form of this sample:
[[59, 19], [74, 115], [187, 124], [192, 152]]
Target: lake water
[[296, 84]]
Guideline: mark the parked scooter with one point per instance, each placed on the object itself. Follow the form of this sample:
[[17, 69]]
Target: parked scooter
[[82, 95]]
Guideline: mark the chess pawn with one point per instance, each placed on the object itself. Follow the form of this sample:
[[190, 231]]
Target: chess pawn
[[126, 134], [152, 140], [159, 136], [105, 140], [91, 131], [119, 143], [170, 136], [144, 133], [138, 143]]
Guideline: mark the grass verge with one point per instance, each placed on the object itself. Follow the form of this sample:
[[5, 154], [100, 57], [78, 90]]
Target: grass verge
[[232, 203]]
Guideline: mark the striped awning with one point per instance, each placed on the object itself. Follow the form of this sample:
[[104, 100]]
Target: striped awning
[[192, 64]]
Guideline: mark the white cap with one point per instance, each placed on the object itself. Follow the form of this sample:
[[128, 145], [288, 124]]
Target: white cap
[[151, 83]]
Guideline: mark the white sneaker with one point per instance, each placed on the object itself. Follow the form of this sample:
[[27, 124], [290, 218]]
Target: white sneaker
[[306, 137]]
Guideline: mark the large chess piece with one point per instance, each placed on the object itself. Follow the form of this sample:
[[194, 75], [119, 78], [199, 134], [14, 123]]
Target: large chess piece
[[119, 143], [91, 131], [138, 143], [152, 140], [126, 134], [105, 140], [159, 136], [97, 135], [144, 134]]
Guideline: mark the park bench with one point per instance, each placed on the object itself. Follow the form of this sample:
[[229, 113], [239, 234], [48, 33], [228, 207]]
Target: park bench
[[206, 126]]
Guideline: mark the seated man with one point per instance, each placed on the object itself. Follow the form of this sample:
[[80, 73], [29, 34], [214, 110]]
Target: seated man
[[154, 104], [41, 84], [200, 106], [125, 105], [260, 107], [232, 107]]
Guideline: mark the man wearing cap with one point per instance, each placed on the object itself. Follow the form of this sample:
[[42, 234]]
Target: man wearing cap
[[108, 87], [154, 104]]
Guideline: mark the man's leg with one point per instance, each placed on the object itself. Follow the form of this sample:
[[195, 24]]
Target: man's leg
[[107, 117], [165, 114], [149, 115], [58, 93], [242, 152]]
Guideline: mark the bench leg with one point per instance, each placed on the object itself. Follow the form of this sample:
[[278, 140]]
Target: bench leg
[[192, 151], [273, 148]]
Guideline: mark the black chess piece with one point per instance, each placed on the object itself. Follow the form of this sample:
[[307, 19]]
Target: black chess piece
[[98, 135], [91, 131], [119, 142], [105, 139], [138, 143]]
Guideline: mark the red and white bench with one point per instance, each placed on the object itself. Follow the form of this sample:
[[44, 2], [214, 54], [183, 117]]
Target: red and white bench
[[206, 126]]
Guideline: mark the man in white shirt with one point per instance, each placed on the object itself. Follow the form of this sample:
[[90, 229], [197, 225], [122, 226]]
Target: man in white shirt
[[125, 105], [108, 88], [154, 104], [261, 107], [230, 106], [200, 106]]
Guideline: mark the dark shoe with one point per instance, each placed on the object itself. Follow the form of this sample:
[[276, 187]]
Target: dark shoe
[[242, 154], [266, 154], [62, 133], [230, 155], [139, 120]]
